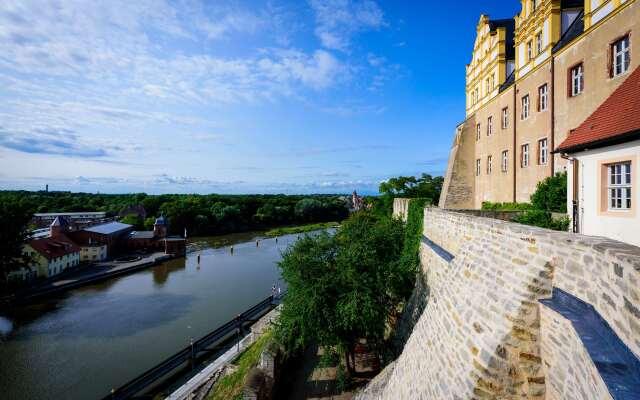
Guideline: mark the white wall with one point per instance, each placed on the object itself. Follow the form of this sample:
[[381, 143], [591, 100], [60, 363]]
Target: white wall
[[60, 264], [621, 228]]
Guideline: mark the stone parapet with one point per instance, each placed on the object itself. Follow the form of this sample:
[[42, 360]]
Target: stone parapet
[[483, 333]]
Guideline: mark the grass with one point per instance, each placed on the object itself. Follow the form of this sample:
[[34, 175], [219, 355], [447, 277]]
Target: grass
[[230, 386], [288, 230]]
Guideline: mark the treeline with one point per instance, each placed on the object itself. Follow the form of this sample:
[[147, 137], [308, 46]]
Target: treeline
[[200, 214], [425, 187]]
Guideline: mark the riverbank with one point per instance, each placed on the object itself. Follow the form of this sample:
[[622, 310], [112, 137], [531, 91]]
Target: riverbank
[[289, 230]]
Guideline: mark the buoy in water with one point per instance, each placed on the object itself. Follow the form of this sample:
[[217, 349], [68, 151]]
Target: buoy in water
[[257, 243], [231, 249]]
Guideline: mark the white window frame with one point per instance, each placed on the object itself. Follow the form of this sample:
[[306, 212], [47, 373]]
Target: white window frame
[[489, 165], [621, 56], [525, 107], [539, 42], [543, 151], [577, 80], [505, 160], [478, 131], [619, 186], [530, 50], [525, 155], [490, 126], [543, 92], [478, 166], [505, 118]]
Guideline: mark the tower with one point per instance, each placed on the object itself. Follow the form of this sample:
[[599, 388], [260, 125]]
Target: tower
[[160, 227], [58, 227]]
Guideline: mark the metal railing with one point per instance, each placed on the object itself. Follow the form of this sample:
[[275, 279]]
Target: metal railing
[[190, 353]]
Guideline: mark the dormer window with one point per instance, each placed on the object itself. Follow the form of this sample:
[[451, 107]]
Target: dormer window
[[529, 50]]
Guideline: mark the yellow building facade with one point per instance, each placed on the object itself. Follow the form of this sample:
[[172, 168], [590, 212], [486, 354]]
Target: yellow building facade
[[532, 79]]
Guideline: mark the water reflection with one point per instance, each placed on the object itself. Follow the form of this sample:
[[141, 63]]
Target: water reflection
[[161, 272]]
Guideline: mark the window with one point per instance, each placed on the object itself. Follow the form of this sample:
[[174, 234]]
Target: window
[[505, 118], [525, 107], [487, 83], [534, 5], [505, 161], [477, 131], [543, 151], [529, 50], [577, 80], [619, 186], [493, 82], [539, 43], [489, 126], [478, 167], [489, 165], [543, 97], [621, 56], [524, 155]]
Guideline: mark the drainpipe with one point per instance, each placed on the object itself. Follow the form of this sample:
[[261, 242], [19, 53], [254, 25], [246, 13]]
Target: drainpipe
[[515, 144], [553, 113]]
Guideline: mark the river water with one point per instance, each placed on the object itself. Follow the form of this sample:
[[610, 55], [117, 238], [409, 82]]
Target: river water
[[83, 343]]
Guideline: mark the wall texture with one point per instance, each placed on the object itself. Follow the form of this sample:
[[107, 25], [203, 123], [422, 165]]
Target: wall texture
[[484, 335]]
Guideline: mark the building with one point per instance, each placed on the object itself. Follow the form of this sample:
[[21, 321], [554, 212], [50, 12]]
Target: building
[[52, 256], [112, 234], [80, 219], [157, 240], [532, 79], [604, 152]]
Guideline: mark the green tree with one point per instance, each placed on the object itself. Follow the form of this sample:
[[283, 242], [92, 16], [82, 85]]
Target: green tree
[[551, 194], [13, 233], [135, 220], [343, 288], [308, 210]]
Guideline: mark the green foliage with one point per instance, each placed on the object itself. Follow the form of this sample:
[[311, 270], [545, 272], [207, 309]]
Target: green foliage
[[543, 219], [551, 194], [344, 287], [230, 386], [15, 216], [410, 257], [487, 205], [135, 220], [426, 186], [201, 214]]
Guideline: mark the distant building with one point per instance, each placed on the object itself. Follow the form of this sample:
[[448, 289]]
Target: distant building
[[55, 254], [157, 240], [136, 210], [603, 179], [112, 234], [76, 219]]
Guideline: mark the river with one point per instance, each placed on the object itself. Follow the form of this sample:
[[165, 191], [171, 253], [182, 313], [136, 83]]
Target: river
[[82, 343]]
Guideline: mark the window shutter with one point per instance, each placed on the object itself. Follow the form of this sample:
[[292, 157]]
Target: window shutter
[[582, 79], [569, 82], [538, 152], [539, 98], [610, 60]]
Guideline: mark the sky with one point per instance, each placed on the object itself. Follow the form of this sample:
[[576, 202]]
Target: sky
[[218, 96]]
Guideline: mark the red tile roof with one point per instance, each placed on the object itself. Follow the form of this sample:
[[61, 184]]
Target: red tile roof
[[618, 118], [51, 248]]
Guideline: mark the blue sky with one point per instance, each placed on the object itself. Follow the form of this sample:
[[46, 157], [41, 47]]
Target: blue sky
[[193, 96]]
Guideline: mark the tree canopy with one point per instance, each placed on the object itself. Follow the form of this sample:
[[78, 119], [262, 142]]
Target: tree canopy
[[13, 232], [343, 288]]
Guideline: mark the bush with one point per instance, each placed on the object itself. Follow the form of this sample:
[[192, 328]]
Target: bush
[[551, 194], [487, 205], [543, 219]]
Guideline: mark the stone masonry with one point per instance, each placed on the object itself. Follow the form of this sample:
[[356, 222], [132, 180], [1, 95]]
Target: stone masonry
[[484, 335]]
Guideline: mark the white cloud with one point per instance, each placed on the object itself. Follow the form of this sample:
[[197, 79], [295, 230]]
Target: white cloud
[[339, 20]]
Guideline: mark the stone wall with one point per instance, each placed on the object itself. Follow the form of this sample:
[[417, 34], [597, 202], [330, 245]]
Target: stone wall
[[458, 187], [484, 335], [401, 208]]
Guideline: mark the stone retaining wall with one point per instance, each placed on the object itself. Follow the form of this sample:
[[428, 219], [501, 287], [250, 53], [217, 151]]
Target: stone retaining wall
[[401, 208], [484, 335]]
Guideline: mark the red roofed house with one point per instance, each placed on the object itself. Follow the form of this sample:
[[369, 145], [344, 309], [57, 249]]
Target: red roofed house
[[603, 179]]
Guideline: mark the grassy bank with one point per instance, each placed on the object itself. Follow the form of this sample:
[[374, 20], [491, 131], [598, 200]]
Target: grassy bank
[[289, 230], [230, 386]]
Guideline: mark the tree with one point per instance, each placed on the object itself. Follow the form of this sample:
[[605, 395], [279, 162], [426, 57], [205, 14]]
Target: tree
[[551, 194], [343, 288], [308, 210], [135, 220], [13, 233]]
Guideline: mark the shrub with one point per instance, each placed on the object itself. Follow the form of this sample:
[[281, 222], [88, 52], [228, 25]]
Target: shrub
[[543, 219], [487, 205], [551, 194]]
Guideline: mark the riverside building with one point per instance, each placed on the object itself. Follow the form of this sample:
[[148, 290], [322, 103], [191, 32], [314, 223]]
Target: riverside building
[[531, 80]]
